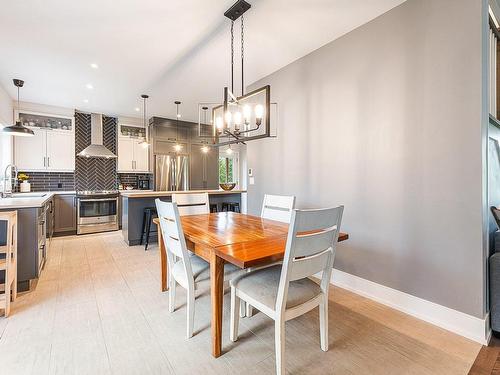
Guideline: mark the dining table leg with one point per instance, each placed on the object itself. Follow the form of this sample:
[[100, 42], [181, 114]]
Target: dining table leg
[[217, 296], [163, 261]]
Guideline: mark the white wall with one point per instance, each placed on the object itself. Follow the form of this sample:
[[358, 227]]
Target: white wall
[[6, 119], [386, 120]]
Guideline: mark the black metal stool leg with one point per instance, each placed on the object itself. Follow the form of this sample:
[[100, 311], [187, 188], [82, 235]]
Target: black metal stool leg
[[143, 226]]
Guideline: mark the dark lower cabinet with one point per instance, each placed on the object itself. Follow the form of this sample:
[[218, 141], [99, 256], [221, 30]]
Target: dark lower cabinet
[[65, 213]]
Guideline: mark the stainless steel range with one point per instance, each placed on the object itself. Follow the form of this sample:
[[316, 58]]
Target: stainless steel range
[[97, 211]]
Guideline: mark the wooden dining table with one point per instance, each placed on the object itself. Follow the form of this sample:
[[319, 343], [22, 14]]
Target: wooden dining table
[[243, 240]]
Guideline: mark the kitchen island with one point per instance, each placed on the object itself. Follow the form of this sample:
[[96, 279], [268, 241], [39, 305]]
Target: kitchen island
[[135, 201]]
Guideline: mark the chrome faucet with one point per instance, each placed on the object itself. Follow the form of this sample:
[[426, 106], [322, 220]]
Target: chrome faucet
[[7, 181]]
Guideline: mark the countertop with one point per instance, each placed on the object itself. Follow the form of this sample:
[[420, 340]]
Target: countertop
[[150, 193], [18, 201]]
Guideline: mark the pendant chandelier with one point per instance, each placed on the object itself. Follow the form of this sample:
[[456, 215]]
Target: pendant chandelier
[[18, 129], [145, 141], [238, 118]]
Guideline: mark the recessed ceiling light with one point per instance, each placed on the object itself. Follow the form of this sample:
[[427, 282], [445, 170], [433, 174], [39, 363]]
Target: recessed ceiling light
[[94, 66], [85, 100], [137, 109], [89, 86]]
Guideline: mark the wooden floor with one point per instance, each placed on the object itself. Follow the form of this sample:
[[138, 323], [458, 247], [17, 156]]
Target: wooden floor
[[97, 309], [488, 359]]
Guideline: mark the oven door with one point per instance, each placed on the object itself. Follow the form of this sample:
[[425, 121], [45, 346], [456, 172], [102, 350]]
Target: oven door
[[97, 215]]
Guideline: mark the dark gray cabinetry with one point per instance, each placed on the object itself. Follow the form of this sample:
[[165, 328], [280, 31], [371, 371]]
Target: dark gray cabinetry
[[203, 168], [65, 213], [165, 147]]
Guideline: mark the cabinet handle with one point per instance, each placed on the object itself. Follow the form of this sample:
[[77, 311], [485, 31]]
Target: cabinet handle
[[44, 161], [132, 164], [48, 161]]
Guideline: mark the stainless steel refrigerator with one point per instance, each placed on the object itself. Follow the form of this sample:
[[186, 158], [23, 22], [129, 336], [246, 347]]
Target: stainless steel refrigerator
[[171, 172]]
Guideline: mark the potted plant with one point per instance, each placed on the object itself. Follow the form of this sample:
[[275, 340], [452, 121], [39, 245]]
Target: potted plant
[[24, 186]]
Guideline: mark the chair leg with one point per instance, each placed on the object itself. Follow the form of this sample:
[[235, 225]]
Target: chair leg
[[243, 307], [14, 289], [190, 313], [279, 344], [148, 229], [171, 294], [323, 323], [7, 296], [249, 311], [235, 315]]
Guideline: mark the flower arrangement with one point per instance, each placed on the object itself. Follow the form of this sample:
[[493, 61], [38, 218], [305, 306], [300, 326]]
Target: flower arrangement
[[23, 177]]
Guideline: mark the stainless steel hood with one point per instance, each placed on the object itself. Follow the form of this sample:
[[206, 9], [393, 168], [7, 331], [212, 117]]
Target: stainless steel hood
[[96, 148]]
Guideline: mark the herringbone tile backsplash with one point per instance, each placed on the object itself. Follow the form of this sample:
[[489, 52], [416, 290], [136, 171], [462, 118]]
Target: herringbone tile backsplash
[[95, 173]]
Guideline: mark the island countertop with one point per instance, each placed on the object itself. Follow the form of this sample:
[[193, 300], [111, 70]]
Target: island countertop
[[151, 194]]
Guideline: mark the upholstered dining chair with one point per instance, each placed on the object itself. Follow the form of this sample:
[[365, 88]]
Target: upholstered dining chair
[[192, 204], [274, 207], [185, 268], [284, 292]]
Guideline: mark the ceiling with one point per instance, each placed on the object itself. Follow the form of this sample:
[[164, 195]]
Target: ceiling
[[171, 50]]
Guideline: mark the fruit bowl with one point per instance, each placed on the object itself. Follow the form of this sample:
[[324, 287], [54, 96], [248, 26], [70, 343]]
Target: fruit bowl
[[227, 186]]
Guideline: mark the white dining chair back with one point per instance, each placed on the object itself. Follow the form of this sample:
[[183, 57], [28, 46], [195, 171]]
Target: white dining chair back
[[192, 204], [285, 292], [278, 207], [178, 257], [310, 248]]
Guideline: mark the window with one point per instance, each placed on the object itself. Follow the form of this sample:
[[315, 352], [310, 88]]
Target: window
[[228, 168]]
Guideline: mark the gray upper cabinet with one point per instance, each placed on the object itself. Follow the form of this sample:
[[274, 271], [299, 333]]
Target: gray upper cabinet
[[203, 168], [65, 213]]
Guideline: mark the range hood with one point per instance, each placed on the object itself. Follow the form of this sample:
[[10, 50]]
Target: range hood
[[96, 148]]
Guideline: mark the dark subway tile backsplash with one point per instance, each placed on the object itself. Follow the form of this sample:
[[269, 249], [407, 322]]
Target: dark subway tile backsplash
[[50, 181], [131, 179]]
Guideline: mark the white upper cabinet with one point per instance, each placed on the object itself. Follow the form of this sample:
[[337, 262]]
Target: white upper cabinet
[[125, 154], [141, 156], [52, 148], [30, 152], [132, 155], [60, 151]]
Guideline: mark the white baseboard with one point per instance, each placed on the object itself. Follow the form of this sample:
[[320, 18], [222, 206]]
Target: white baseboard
[[455, 321]]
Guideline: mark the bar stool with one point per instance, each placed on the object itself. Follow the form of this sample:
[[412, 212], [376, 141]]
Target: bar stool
[[8, 260], [214, 207], [147, 220], [230, 206]]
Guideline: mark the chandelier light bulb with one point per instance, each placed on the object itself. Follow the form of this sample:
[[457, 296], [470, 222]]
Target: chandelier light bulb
[[229, 151], [259, 111], [219, 123], [228, 117], [237, 118], [247, 112]]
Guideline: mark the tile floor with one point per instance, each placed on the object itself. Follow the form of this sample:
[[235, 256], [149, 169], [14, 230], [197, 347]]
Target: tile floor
[[98, 309]]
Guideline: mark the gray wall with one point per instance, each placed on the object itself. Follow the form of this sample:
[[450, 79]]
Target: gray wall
[[387, 121]]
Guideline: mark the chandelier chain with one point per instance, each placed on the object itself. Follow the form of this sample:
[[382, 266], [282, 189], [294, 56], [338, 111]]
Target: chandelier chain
[[232, 56], [242, 55]]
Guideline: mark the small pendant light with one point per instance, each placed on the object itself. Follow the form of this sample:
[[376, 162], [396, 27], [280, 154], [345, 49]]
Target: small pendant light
[[145, 142], [18, 129], [177, 146]]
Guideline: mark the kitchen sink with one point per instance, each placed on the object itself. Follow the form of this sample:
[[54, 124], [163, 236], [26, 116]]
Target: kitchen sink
[[29, 195]]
